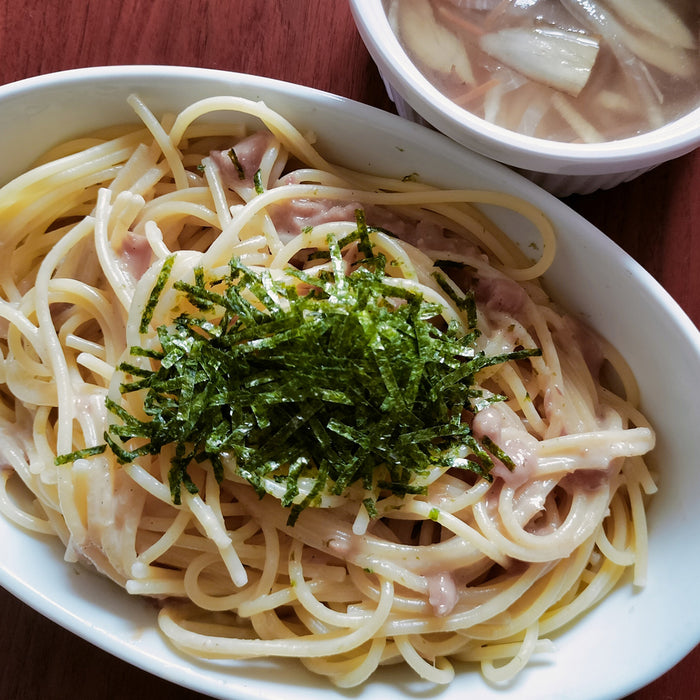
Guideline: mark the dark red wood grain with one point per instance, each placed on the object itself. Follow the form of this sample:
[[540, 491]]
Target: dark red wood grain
[[656, 218]]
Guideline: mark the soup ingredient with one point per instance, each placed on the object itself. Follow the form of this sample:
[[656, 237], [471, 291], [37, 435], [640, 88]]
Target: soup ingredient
[[559, 58], [658, 51], [657, 18], [422, 30]]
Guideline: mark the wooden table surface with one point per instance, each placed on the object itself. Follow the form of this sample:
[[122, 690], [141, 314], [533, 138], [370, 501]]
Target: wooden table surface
[[656, 218]]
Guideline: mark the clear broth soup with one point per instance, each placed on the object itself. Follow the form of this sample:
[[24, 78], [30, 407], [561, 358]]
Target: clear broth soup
[[564, 70]]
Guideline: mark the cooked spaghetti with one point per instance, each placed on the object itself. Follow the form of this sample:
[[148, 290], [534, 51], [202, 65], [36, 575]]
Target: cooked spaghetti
[[314, 413]]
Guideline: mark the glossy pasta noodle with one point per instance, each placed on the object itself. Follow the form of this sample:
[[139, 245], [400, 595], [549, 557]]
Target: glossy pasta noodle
[[470, 568]]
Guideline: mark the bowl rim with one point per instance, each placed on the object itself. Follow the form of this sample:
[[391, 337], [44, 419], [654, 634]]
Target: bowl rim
[[635, 152]]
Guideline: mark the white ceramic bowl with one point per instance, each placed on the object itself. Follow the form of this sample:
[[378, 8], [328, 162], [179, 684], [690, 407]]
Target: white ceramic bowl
[[561, 168], [631, 637]]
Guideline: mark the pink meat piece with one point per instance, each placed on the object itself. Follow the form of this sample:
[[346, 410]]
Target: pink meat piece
[[249, 154], [136, 254]]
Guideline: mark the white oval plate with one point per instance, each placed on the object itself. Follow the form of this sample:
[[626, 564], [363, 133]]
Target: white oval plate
[[628, 640]]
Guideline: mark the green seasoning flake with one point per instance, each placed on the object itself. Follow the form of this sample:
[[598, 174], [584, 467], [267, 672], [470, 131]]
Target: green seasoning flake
[[257, 181], [79, 454], [351, 383], [236, 163], [155, 293]]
